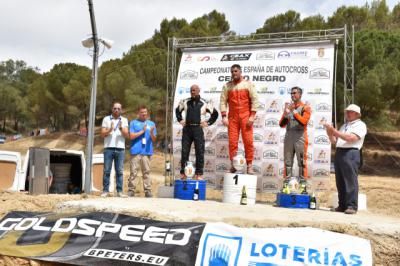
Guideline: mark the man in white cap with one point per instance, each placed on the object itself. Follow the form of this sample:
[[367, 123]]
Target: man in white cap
[[349, 141]]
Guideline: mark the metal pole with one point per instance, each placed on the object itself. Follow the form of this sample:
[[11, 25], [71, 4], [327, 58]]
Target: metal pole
[[92, 108], [334, 109]]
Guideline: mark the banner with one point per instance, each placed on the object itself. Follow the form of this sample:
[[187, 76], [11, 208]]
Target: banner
[[274, 71], [223, 244], [98, 238], [114, 239]]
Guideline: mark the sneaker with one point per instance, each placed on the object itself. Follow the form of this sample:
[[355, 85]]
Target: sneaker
[[148, 194], [250, 170], [121, 195], [131, 193], [350, 211], [104, 194]]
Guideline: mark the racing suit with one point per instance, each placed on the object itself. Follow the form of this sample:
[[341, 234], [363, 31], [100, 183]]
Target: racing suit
[[241, 97], [296, 140], [195, 110]]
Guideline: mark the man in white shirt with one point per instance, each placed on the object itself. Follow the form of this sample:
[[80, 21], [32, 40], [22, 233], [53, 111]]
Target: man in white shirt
[[349, 141], [114, 130]]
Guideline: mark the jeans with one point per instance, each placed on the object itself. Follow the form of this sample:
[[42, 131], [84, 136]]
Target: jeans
[[118, 155]]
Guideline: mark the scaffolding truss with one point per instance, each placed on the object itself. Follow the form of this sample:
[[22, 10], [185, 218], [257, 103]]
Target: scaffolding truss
[[176, 45]]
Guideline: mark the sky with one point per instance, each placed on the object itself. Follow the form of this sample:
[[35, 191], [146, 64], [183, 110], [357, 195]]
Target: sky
[[48, 32]]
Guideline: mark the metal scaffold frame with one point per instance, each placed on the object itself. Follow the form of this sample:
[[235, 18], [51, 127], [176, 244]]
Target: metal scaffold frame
[[253, 40]]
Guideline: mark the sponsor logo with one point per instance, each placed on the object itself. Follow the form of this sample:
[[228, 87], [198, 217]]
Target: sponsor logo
[[206, 58], [222, 152], [236, 57], [132, 233], [271, 138], [257, 137], [269, 171], [272, 122], [322, 157], [273, 107], [321, 173], [257, 169], [222, 167], [265, 90], [188, 58], [258, 122], [319, 73], [189, 74], [213, 90], [209, 151], [292, 54], [126, 256], [269, 186], [323, 107], [284, 90], [321, 122], [221, 250], [265, 56], [209, 166], [257, 154], [222, 136], [322, 140], [183, 90], [209, 135], [317, 91], [270, 154]]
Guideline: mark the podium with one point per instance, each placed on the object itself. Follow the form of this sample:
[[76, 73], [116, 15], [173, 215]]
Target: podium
[[233, 186]]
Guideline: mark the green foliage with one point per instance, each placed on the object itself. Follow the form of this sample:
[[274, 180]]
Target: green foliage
[[60, 98]]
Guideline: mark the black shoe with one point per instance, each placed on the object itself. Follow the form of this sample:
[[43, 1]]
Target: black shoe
[[350, 211], [148, 194], [338, 209]]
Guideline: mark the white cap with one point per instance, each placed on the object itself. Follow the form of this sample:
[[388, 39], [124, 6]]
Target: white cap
[[354, 108]]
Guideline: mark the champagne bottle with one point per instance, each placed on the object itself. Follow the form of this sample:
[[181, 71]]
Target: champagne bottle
[[313, 202], [196, 193], [243, 199]]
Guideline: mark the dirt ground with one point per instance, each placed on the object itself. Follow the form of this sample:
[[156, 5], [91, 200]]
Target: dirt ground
[[381, 185]]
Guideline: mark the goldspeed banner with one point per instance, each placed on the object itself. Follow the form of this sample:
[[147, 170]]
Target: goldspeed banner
[[114, 239], [274, 71], [98, 239]]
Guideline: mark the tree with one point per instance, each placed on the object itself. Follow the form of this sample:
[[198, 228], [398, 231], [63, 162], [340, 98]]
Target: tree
[[288, 21]]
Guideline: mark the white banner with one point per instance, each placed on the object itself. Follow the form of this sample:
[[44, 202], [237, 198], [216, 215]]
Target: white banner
[[274, 71], [223, 244]]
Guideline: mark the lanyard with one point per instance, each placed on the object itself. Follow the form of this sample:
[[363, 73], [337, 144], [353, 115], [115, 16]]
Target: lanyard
[[119, 121]]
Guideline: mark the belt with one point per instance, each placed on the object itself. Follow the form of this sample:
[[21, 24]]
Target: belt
[[192, 125], [346, 149], [113, 148]]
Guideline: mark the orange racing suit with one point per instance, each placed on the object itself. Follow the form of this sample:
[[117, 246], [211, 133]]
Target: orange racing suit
[[241, 97]]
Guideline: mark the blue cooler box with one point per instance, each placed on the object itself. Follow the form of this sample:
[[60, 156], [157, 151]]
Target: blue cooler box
[[184, 190], [292, 200]]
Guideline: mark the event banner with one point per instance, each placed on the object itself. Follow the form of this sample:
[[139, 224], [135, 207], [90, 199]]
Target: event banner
[[98, 239], [274, 70], [223, 244], [115, 239]]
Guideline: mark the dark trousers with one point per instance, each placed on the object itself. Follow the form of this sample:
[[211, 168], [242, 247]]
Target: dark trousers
[[192, 134], [347, 162]]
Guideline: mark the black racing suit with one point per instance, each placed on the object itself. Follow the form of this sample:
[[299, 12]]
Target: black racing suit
[[195, 109]]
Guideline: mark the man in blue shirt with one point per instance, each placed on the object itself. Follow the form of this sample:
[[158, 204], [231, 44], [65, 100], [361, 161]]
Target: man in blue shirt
[[143, 133]]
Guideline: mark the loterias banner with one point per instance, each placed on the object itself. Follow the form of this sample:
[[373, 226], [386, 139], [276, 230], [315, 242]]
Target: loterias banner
[[99, 238]]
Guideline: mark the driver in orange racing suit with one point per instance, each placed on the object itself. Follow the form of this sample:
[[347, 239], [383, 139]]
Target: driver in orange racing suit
[[241, 97]]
